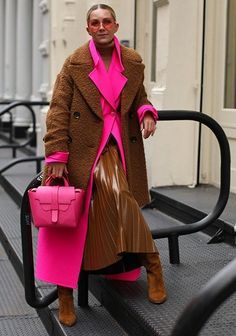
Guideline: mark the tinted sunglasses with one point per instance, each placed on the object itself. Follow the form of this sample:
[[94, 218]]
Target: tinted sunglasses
[[96, 24]]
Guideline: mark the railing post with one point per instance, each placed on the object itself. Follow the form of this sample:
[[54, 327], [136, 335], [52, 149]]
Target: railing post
[[32, 295], [173, 242], [83, 289], [38, 166], [11, 128], [14, 152]]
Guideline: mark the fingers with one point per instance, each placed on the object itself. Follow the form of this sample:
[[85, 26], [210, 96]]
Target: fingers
[[146, 134], [57, 169], [142, 126], [149, 128], [66, 170], [49, 169]]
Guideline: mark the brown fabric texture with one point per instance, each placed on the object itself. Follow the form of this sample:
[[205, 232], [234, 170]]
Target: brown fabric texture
[[116, 224], [75, 121]]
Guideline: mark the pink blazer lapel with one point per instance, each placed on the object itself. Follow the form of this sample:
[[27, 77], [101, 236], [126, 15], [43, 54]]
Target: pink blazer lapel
[[101, 79], [109, 83]]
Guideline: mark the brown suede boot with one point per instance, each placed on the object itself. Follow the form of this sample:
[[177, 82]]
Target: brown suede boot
[[156, 287], [67, 314]]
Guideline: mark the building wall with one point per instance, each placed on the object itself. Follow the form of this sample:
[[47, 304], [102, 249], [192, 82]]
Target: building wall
[[217, 60], [37, 35], [174, 82], [68, 27], [173, 78]]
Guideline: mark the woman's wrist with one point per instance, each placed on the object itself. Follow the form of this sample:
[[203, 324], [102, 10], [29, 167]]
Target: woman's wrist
[[60, 157], [142, 110]]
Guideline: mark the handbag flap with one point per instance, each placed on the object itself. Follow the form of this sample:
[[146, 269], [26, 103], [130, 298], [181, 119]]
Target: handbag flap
[[55, 199], [51, 195]]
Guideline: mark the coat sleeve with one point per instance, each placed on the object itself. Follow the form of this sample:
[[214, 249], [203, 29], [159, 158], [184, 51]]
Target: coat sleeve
[[58, 116], [142, 110], [141, 97], [143, 104]]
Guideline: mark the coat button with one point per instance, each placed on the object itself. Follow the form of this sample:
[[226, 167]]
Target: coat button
[[131, 115], [69, 140], [133, 139], [76, 115]]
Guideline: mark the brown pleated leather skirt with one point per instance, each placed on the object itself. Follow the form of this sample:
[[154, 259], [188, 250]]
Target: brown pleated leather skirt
[[116, 224]]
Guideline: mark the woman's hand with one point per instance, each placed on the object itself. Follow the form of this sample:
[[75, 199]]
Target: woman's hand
[[57, 169], [148, 125]]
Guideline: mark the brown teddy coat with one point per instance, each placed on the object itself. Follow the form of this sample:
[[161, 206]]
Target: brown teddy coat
[[75, 121]]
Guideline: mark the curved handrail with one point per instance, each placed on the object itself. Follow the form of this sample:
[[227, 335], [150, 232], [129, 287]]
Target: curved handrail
[[37, 159], [28, 105], [27, 252], [6, 101], [224, 173], [11, 122], [12, 103], [203, 305]]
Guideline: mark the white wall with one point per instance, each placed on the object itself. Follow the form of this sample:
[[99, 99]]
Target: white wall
[[172, 153], [214, 86], [68, 27]]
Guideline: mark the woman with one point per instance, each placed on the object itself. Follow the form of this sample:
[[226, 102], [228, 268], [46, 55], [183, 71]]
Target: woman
[[93, 134]]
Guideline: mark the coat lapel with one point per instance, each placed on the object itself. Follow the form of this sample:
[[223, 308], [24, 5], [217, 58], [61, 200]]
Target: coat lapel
[[81, 65]]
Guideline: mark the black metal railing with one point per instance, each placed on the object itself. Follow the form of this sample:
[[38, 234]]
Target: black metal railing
[[10, 122], [14, 146], [171, 233], [32, 137], [10, 129], [12, 163], [31, 293], [205, 303]]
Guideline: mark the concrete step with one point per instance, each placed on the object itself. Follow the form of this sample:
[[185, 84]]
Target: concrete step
[[127, 302], [16, 317]]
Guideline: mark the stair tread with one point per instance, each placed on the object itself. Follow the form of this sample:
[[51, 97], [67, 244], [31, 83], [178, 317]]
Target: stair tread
[[16, 317], [127, 301], [202, 198]]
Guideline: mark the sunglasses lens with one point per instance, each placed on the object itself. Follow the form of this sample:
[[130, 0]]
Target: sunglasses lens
[[106, 23], [94, 24]]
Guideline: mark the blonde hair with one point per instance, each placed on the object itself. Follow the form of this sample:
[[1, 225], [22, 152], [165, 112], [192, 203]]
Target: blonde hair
[[102, 6]]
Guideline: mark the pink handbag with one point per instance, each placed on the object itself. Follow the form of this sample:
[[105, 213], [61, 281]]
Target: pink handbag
[[55, 206]]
